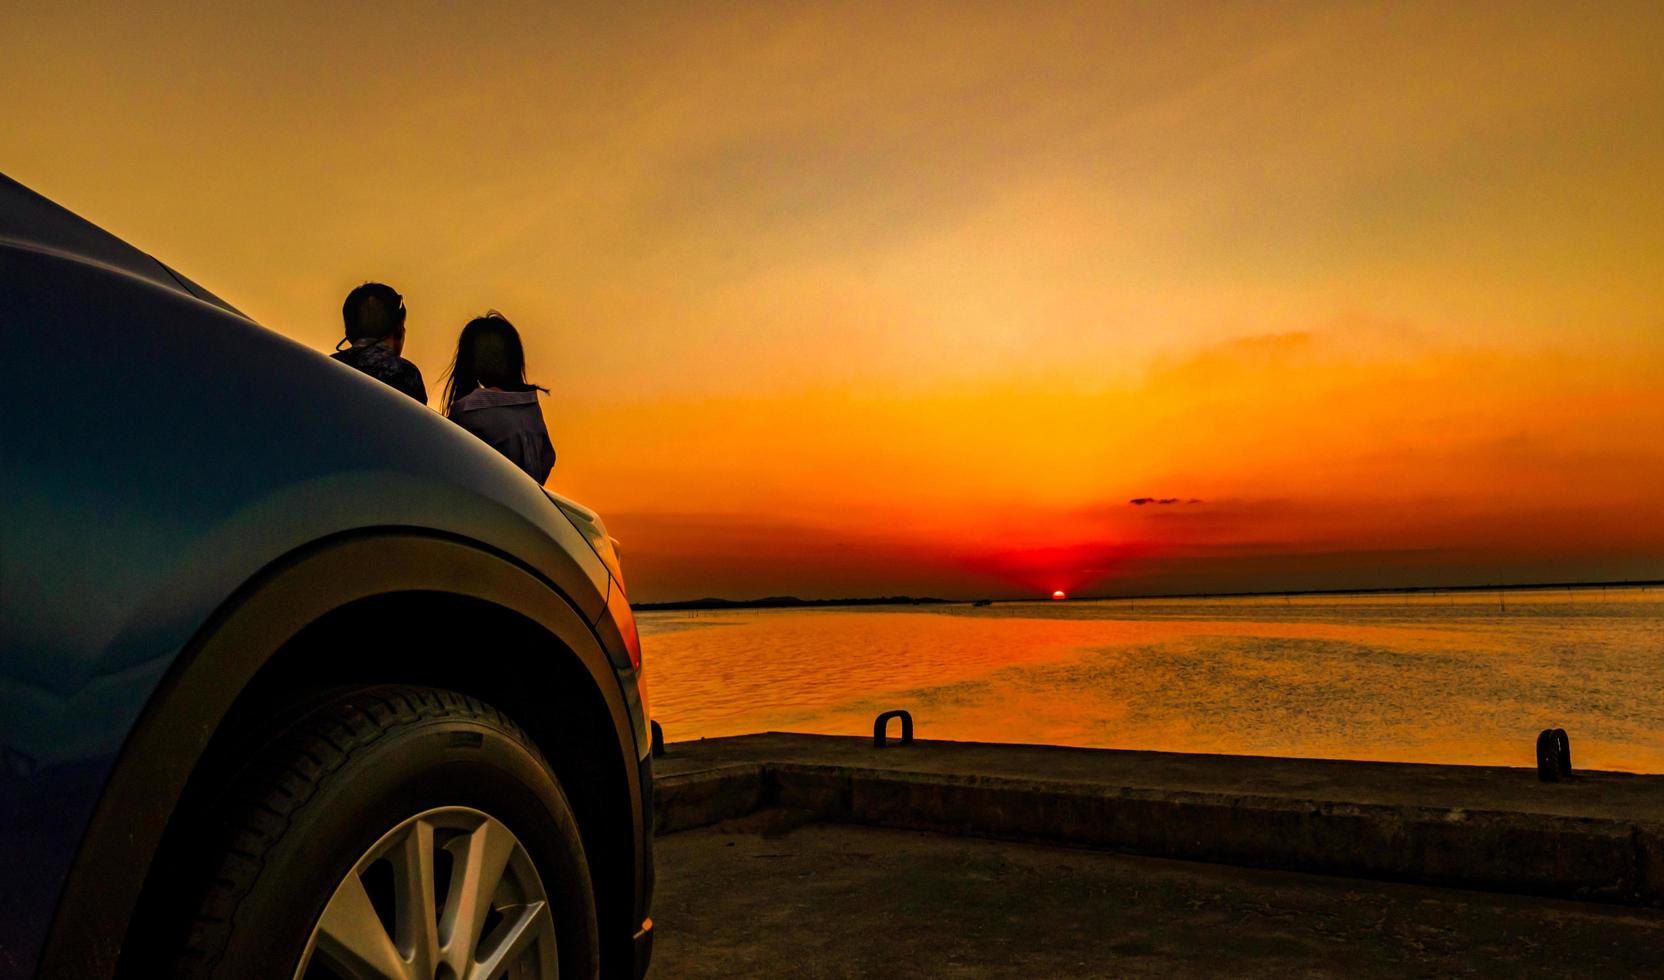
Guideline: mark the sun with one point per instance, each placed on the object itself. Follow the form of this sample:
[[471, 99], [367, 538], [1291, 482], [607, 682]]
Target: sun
[[1059, 594]]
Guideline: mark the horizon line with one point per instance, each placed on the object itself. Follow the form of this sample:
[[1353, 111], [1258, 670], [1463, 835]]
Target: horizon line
[[1380, 590]]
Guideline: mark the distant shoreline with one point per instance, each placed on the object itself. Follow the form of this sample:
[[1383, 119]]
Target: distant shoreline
[[793, 602]]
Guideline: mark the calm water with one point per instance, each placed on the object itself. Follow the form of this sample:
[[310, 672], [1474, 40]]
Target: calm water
[[1466, 679]]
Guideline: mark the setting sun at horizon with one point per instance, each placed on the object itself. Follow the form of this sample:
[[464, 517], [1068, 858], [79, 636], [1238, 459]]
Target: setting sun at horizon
[[930, 300]]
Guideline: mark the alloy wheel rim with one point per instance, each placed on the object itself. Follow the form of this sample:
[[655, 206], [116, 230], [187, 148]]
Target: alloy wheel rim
[[448, 894]]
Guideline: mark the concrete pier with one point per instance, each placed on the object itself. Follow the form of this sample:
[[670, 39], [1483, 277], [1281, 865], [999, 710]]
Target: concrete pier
[[1597, 837]]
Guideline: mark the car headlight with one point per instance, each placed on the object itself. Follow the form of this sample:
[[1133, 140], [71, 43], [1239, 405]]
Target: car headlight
[[589, 525]]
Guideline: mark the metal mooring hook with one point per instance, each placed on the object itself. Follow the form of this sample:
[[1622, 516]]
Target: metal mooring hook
[[882, 722], [1554, 755], [658, 737]]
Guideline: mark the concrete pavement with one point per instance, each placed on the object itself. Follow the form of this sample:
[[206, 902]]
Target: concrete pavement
[[769, 895]]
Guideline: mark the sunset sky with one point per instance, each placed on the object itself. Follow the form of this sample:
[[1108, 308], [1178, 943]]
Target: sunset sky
[[955, 299]]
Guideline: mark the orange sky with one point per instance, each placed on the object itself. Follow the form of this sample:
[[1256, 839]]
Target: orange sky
[[918, 298]]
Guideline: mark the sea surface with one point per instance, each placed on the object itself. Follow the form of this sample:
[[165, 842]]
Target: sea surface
[[1462, 678]]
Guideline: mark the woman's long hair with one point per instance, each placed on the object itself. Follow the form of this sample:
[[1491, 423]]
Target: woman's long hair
[[488, 355]]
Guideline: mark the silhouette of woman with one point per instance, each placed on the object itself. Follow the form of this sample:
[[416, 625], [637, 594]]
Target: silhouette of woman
[[487, 394]]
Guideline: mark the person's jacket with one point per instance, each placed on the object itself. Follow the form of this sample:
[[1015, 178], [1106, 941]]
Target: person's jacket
[[510, 422], [385, 366]]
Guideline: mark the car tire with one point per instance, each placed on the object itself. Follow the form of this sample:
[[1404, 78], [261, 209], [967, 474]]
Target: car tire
[[313, 806]]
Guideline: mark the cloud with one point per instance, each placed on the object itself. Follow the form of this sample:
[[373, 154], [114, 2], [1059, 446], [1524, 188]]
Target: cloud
[[1162, 501]]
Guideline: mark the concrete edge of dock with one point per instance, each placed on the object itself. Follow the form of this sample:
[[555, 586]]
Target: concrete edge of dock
[[1598, 858]]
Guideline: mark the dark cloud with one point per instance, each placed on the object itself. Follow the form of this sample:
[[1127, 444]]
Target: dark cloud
[[1162, 501]]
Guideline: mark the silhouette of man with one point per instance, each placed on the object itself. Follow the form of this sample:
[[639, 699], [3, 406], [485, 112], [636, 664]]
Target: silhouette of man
[[374, 318]]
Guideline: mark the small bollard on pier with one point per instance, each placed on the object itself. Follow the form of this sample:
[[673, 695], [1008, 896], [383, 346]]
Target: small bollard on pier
[[1554, 755], [881, 724], [658, 738]]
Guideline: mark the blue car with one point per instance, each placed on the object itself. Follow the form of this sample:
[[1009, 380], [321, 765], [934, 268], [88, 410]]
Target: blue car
[[297, 678]]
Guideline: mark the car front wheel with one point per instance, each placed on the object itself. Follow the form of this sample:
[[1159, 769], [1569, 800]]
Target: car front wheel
[[397, 832]]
